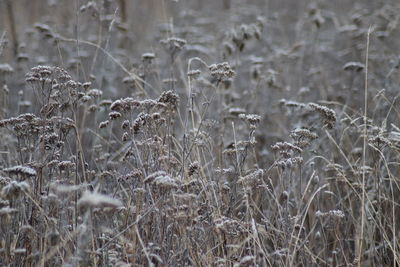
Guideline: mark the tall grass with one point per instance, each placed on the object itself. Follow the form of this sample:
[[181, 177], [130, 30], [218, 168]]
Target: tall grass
[[196, 133]]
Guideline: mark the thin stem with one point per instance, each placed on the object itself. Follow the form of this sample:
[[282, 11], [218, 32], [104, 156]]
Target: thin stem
[[360, 242]]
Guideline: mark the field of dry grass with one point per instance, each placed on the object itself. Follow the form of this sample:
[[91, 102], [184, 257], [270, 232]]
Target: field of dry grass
[[199, 133]]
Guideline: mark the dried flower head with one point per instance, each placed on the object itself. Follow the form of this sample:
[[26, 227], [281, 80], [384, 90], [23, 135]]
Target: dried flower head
[[148, 104], [104, 124], [193, 167], [303, 137], [44, 29], [229, 226], [252, 179], [125, 104], [173, 45], [252, 119], [21, 170], [354, 66], [169, 98], [331, 218], [66, 165], [96, 200], [194, 74], [285, 146], [6, 69], [303, 133], [95, 93], [6, 211], [105, 103], [221, 71], [236, 111], [161, 180], [331, 213], [14, 190], [288, 163], [113, 115], [141, 120], [328, 115], [290, 103], [148, 57], [86, 85]]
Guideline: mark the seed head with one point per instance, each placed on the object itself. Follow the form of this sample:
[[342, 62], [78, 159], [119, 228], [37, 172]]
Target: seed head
[[96, 200]]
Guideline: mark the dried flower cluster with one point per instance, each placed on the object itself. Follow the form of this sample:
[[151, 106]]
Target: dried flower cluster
[[242, 143], [221, 71], [328, 115], [173, 45]]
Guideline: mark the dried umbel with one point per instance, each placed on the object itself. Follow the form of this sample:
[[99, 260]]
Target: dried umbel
[[125, 104], [125, 125], [55, 89], [380, 140], [125, 137], [87, 85], [221, 71], [66, 165], [4, 203], [44, 29], [289, 155], [161, 180], [41, 73], [292, 104], [173, 45], [63, 124], [299, 133], [194, 74], [97, 200], [229, 226], [236, 111], [103, 124], [252, 179], [252, 119], [246, 261], [141, 120], [6, 69], [135, 174], [328, 115], [165, 182], [21, 170], [169, 82], [105, 103], [150, 178], [15, 120], [285, 146], [45, 132], [25, 125], [354, 66], [14, 190], [288, 163], [93, 108], [303, 137], [331, 218], [114, 115], [147, 58], [6, 211], [169, 98], [148, 104], [94, 92], [238, 38]]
